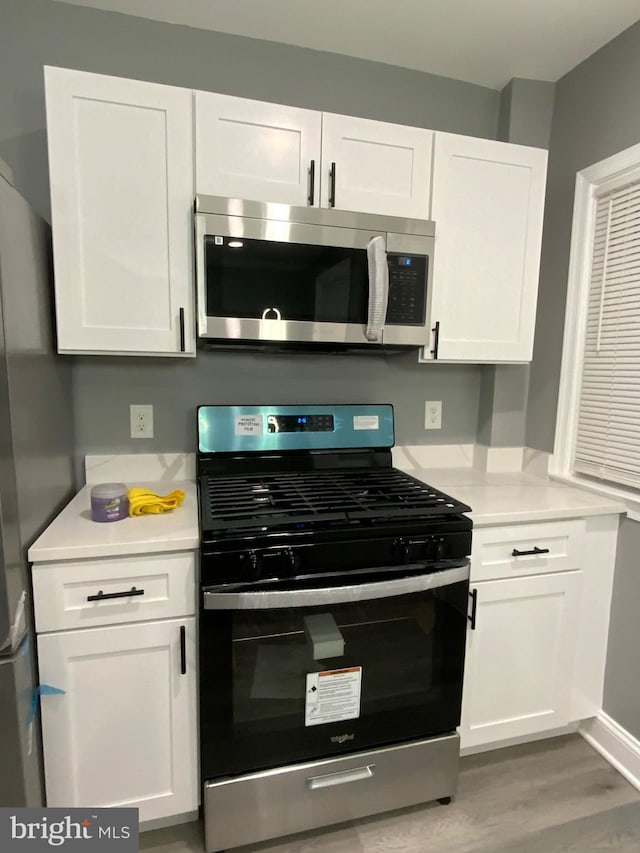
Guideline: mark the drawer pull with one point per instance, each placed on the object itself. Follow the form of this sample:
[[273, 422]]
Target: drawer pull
[[342, 777], [332, 185], [183, 650], [312, 182], [536, 550], [473, 595], [101, 596]]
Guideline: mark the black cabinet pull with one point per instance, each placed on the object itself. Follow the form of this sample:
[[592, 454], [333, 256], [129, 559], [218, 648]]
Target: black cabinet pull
[[332, 185], [312, 182], [536, 550], [182, 330], [183, 650], [101, 596], [436, 339], [474, 608]]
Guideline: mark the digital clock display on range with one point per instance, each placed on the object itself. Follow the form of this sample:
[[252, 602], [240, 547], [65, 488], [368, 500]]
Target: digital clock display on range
[[300, 423]]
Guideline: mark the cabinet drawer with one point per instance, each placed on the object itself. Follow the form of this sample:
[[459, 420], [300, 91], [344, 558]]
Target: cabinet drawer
[[88, 593], [526, 549]]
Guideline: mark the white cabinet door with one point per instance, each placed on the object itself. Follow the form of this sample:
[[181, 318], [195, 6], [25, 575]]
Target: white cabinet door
[[121, 169], [124, 731], [488, 204], [519, 665], [375, 167], [255, 150]]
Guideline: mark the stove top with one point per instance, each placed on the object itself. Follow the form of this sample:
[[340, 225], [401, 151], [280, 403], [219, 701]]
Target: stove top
[[294, 499]]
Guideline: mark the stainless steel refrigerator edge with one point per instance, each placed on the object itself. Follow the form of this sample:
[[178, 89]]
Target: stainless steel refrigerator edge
[[36, 470]]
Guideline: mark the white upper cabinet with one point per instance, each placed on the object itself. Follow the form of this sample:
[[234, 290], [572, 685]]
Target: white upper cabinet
[[121, 169], [285, 155], [255, 150], [487, 203], [375, 167]]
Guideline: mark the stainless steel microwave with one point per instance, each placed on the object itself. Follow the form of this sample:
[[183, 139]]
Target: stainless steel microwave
[[270, 273]]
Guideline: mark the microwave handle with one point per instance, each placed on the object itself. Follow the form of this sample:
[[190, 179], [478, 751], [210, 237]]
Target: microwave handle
[[201, 283], [378, 288]]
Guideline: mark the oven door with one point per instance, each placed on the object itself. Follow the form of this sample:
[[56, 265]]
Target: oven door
[[290, 282], [298, 674]]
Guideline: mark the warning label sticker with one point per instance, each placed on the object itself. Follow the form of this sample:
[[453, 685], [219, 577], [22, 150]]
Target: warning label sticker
[[333, 695], [248, 425]]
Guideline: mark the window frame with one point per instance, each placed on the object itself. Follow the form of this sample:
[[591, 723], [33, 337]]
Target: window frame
[[589, 181]]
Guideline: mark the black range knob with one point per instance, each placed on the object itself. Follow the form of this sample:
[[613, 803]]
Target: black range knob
[[252, 565]]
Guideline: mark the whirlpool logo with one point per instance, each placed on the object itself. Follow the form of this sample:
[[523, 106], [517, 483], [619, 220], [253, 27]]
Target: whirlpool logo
[[71, 829], [341, 738]]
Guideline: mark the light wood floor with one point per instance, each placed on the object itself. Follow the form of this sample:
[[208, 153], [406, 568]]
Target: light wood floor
[[547, 797]]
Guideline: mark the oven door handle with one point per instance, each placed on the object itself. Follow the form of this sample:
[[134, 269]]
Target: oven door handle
[[335, 594]]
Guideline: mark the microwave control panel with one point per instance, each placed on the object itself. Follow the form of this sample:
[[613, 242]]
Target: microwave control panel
[[407, 289]]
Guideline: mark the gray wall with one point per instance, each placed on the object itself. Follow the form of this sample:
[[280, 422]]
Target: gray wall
[[621, 692], [38, 32], [104, 387], [525, 117], [597, 113], [34, 33]]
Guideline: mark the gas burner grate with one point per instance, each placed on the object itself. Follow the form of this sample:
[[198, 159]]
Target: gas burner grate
[[287, 499]]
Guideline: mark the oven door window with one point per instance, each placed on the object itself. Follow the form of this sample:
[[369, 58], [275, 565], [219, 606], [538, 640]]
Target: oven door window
[[260, 279], [280, 686]]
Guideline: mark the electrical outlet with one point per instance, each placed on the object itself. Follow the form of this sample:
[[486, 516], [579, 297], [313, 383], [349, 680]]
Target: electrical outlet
[[433, 414], [141, 418]]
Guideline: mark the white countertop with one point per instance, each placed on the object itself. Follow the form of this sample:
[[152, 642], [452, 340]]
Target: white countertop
[[514, 498], [494, 498], [72, 535]]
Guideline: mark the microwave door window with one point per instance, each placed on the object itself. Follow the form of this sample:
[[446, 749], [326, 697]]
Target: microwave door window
[[303, 282], [332, 289]]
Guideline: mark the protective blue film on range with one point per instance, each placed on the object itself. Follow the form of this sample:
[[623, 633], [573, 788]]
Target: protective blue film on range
[[225, 429]]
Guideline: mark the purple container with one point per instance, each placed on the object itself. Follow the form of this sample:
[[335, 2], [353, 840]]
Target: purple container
[[109, 502]]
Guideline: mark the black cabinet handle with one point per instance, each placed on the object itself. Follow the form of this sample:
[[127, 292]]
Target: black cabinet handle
[[473, 595], [182, 330], [312, 182], [536, 550], [436, 339], [332, 185], [183, 650], [101, 596]]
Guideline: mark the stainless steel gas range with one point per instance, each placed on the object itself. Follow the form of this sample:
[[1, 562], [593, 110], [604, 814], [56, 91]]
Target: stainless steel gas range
[[333, 612]]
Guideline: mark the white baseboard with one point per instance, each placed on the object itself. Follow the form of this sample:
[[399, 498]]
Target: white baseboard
[[164, 822], [614, 744], [517, 741]]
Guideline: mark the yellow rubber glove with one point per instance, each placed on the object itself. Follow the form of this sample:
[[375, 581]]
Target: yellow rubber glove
[[144, 502]]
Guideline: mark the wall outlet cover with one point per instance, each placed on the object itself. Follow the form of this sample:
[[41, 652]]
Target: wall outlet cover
[[141, 420], [433, 414]]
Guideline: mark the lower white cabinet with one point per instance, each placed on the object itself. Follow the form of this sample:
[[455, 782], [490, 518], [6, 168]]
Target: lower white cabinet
[[520, 656], [124, 732]]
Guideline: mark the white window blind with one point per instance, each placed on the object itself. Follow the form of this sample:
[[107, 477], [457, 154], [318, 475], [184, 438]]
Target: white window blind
[[608, 437]]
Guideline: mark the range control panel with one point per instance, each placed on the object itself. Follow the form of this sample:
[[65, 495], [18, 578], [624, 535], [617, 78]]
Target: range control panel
[[407, 289], [227, 429]]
